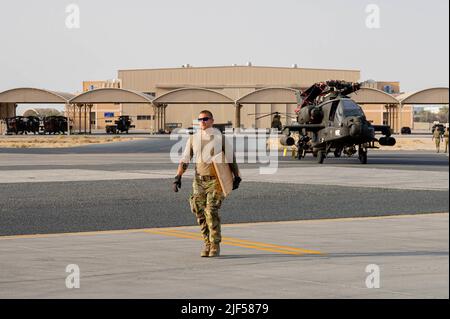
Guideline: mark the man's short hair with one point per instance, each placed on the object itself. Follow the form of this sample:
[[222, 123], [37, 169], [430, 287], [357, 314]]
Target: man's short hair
[[207, 112]]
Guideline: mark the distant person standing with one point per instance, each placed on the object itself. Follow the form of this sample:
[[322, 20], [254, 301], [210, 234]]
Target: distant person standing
[[437, 137], [446, 139]]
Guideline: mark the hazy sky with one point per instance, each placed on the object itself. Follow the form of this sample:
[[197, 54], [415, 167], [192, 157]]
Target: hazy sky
[[411, 45]]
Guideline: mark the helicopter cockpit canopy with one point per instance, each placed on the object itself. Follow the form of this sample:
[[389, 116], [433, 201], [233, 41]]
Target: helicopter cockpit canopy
[[350, 108]]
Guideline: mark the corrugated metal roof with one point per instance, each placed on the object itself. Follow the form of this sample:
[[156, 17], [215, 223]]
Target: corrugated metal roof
[[111, 95], [275, 95], [437, 95], [193, 96], [372, 96], [34, 95]]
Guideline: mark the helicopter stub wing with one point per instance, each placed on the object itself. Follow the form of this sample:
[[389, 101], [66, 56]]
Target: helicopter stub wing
[[307, 127], [383, 129]]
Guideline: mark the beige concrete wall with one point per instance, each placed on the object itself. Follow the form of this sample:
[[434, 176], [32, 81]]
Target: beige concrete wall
[[232, 81], [394, 84], [185, 114], [407, 116], [100, 109], [374, 113], [149, 80], [7, 110], [138, 110], [423, 126]]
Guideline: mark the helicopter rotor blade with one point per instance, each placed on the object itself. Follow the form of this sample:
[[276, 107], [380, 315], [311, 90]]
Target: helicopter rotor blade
[[260, 117], [257, 113]]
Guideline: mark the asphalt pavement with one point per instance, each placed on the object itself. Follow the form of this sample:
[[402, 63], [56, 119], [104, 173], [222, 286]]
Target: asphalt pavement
[[303, 231], [128, 185]]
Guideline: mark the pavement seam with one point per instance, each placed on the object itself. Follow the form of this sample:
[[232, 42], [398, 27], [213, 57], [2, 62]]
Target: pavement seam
[[141, 230]]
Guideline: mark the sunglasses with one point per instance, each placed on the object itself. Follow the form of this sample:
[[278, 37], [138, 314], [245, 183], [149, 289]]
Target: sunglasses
[[204, 119]]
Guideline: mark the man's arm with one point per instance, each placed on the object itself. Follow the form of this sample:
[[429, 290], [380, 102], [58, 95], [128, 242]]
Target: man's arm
[[183, 165]]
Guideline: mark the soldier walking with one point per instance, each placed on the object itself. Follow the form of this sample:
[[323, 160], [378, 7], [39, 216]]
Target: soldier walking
[[446, 139], [207, 195], [437, 137]]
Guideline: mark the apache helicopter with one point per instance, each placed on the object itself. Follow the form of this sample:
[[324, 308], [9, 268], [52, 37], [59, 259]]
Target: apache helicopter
[[329, 121], [276, 120]]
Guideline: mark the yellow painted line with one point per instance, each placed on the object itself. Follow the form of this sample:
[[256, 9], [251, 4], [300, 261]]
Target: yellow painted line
[[254, 243], [223, 242], [140, 230], [89, 233], [237, 242]]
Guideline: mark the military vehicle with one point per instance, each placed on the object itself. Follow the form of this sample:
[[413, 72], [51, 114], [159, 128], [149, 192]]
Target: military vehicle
[[329, 121], [22, 125], [55, 124], [122, 124], [405, 130]]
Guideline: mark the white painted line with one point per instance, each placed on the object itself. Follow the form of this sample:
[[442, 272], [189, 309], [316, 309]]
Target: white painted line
[[342, 176]]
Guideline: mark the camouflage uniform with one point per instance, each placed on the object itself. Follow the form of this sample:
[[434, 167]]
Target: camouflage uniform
[[205, 201], [446, 140], [207, 196], [437, 139]]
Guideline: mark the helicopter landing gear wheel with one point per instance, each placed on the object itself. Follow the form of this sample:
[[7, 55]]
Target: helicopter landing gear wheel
[[321, 157], [362, 155], [337, 152], [300, 153]]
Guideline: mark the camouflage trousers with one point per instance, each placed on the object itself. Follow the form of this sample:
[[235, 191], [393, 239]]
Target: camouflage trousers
[[438, 143], [205, 201]]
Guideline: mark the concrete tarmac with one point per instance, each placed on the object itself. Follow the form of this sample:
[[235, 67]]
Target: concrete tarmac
[[306, 231], [298, 259]]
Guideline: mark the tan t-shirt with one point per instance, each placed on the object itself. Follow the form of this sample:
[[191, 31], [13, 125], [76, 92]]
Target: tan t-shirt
[[436, 134], [203, 146]]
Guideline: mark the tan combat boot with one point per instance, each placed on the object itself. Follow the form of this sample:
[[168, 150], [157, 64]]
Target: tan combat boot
[[215, 250], [205, 250]]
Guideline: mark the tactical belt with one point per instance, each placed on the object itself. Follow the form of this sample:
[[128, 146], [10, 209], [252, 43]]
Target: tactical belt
[[206, 178]]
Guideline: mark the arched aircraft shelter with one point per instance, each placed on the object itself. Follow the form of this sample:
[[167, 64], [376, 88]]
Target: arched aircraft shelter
[[431, 96], [374, 96], [105, 95], [194, 95], [437, 95], [10, 98], [186, 96], [270, 95]]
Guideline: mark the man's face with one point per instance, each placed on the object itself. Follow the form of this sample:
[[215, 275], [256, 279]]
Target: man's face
[[206, 122]]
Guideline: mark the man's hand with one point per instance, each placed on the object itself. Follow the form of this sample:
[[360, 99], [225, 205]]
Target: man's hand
[[236, 181], [177, 183]]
